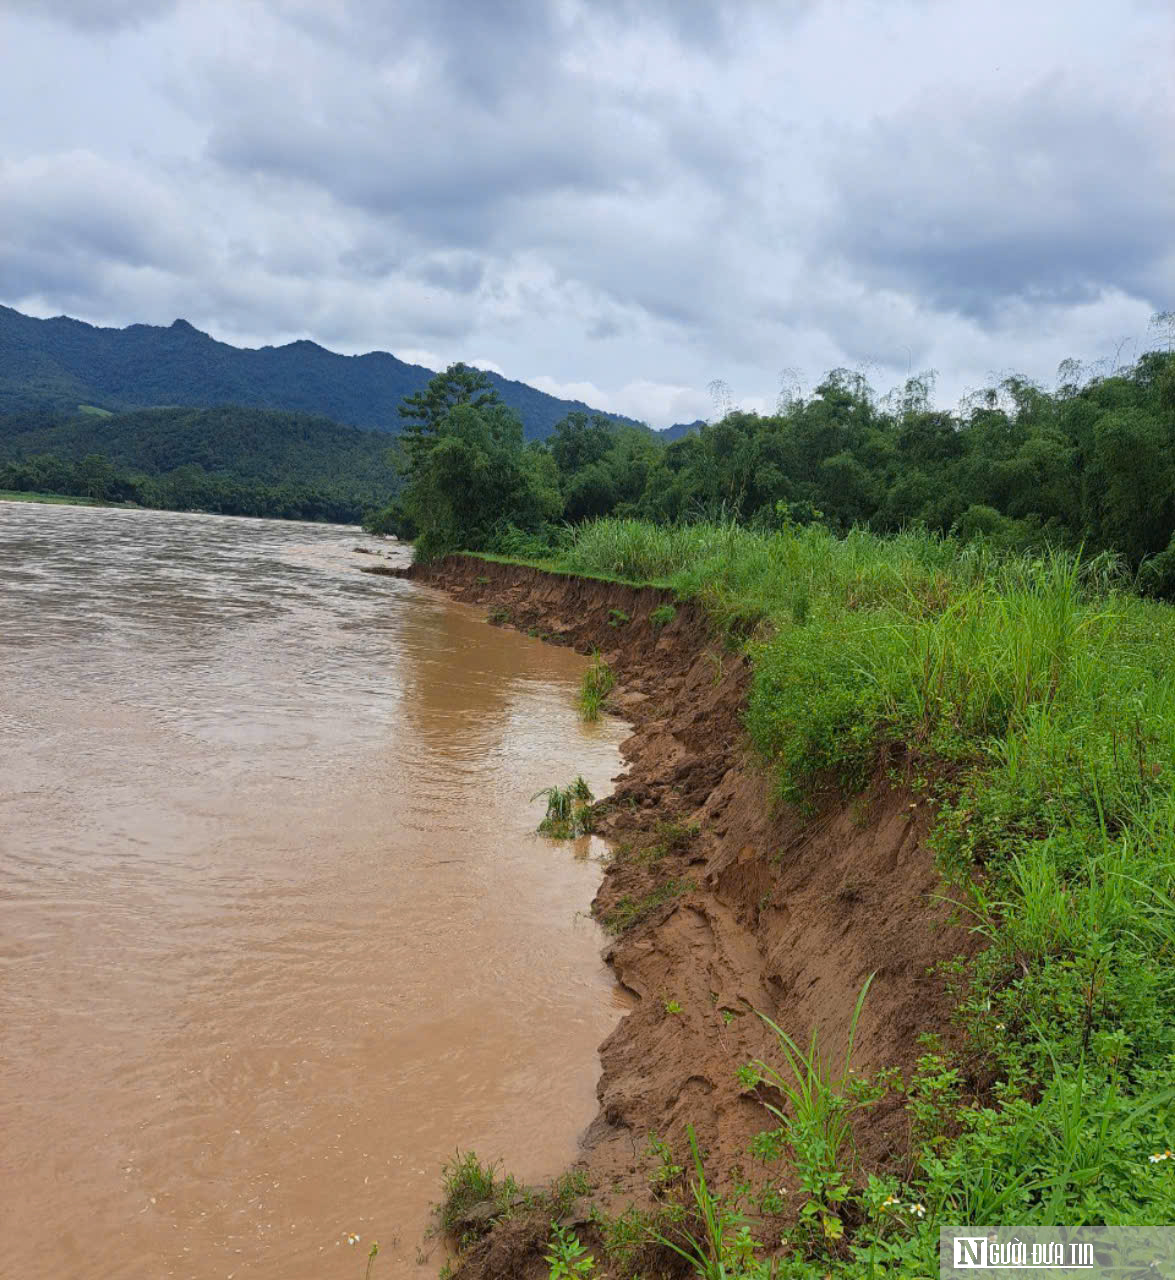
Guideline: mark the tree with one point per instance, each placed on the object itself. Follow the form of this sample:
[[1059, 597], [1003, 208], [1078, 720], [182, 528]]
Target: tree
[[95, 475], [578, 441], [469, 474], [426, 411]]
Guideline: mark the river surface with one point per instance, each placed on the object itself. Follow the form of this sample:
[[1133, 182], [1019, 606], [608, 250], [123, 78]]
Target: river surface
[[276, 934]]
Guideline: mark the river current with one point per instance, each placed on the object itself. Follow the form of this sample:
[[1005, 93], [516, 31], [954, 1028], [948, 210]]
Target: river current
[[276, 933]]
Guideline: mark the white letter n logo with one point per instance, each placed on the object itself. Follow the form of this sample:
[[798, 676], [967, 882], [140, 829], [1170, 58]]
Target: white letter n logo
[[970, 1251]]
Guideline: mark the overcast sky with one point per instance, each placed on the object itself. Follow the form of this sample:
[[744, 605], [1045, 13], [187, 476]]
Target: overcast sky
[[617, 200]]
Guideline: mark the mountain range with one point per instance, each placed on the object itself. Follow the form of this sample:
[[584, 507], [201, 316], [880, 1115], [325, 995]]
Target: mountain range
[[60, 365]]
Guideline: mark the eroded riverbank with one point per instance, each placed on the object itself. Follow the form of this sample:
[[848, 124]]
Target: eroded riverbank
[[721, 902]]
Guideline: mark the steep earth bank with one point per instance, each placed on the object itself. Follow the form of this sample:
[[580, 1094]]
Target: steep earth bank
[[740, 904]]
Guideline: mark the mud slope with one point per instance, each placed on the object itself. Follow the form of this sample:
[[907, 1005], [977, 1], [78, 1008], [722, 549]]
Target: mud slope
[[775, 911]]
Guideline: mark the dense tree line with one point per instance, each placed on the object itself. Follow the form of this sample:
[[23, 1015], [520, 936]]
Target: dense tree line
[[1090, 463], [233, 460], [186, 488]]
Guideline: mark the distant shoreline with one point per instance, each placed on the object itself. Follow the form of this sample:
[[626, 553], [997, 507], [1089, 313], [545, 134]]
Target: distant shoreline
[[60, 499], [68, 500]]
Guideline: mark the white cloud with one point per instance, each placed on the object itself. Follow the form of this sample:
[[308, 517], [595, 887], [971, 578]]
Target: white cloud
[[658, 404]]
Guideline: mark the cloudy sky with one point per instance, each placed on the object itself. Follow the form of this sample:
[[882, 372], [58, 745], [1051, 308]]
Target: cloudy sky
[[618, 200]]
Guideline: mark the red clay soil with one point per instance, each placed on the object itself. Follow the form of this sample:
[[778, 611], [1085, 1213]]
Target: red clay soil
[[782, 913]]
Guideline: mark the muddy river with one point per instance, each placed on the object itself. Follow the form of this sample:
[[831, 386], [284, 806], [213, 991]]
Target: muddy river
[[276, 933]]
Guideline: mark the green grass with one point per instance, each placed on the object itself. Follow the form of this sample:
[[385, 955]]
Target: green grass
[[570, 812], [1034, 699], [94, 411], [54, 499], [466, 1182], [598, 682]]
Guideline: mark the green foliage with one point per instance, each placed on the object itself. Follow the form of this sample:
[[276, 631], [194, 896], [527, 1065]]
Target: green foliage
[[662, 616], [618, 618], [715, 1237], [466, 1182], [1016, 468], [230, 460], [467, 470], [570, 811], [817, 1126], [520, 544], [1034, 695], [598, 682], [567, 1257]]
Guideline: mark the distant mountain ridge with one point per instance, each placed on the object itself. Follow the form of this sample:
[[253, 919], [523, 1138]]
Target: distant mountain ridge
[[62, 363]]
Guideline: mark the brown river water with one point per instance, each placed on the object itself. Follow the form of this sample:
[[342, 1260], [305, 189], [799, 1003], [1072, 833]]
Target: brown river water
[[276, 933]]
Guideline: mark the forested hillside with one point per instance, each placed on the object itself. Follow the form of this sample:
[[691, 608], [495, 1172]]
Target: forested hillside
[[62, 363], [233, 460]]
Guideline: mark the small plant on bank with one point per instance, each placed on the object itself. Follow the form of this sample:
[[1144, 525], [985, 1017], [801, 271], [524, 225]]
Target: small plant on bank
[[566, 1189], [672, 1006], [598, 682], [467, 1182], [670, 837], [618, 618], [662, 616], [817, 1125], [567, 1256], [721, 1246], [630, 911], [499, 616], [667, 1172], [570, 811]]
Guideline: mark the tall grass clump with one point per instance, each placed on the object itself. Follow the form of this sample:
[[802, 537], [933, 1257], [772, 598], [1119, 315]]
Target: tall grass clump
[[598, 682], [466, 1182], [569, 810]]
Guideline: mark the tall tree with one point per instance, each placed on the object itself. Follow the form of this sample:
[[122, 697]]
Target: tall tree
[[426, 411]]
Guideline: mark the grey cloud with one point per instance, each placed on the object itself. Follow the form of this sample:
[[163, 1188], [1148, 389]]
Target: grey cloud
[[603, 328], [458, 272], [473, 113], [1052, 198], [77, 205], [92, 15]]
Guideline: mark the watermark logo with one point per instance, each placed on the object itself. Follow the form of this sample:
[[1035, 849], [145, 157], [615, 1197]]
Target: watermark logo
[[987, 1254], [1086, 1251]]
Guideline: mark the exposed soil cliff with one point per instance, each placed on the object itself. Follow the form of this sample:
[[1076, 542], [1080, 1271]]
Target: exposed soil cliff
[[740, 904]]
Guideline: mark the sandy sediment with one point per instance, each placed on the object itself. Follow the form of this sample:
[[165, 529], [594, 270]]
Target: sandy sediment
[[765, 909]]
